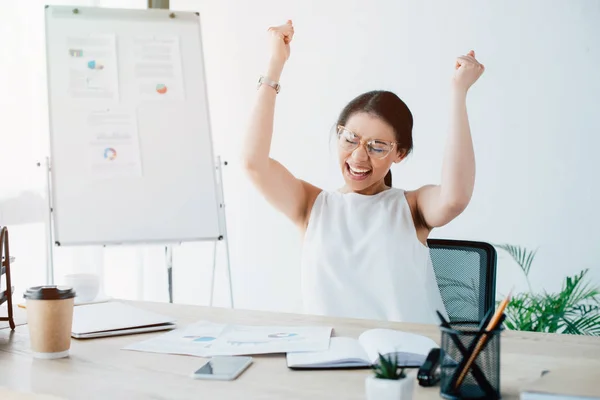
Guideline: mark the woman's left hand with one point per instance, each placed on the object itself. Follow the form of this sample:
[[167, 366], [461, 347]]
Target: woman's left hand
[[467, 71]]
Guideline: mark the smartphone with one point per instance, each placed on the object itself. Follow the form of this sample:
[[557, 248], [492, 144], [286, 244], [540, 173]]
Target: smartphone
[[225, 368]]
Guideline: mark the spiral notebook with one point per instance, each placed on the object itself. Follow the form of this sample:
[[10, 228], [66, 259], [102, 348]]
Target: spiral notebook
[[345, 352]]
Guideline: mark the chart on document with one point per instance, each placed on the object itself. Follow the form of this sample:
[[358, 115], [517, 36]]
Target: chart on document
[[92, 64]]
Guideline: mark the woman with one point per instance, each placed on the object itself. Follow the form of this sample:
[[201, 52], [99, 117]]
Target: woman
[[364, 251]]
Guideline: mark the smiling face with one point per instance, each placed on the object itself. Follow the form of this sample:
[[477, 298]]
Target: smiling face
[[364, 166]]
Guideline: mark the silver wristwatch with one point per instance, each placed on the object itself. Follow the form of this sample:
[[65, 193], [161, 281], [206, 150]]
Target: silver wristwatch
[[267, 81]]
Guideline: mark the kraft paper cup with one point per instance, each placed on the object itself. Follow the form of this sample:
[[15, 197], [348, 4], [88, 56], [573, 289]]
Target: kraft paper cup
[[50, 319]]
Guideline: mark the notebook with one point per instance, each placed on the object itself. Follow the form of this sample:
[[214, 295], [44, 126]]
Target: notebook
[[564, 384], [115, 318], [345, 352]]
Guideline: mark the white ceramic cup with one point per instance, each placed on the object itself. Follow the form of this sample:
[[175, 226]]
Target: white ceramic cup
[[86, 286]]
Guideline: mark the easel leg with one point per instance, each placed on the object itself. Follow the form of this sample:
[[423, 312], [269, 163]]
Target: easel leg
[[212, 280], [224, 236], [49, 234], [169, 263], [229, 273], [214, 267]]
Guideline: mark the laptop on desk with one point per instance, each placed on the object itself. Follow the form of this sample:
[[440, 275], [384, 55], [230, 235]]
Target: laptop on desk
[[115, 319]]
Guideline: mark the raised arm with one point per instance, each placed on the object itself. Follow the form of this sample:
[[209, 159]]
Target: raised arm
[[285, 192], [440, 204]]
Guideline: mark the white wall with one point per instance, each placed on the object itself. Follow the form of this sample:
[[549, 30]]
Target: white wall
[[532, 117]]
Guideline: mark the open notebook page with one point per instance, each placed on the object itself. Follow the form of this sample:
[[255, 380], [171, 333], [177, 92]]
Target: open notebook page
[[342, 352], [412, 349]]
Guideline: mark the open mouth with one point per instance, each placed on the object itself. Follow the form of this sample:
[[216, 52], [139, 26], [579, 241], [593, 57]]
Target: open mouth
[[358, 173]]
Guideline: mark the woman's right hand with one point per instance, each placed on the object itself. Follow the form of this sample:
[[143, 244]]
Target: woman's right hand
[[280, 37]]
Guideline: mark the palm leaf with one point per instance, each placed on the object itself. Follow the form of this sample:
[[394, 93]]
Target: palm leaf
[[524, 312], [469, 293], [522, 256], [585, 325], [585, 309], [573, 310], [556, 312], [581, 290]]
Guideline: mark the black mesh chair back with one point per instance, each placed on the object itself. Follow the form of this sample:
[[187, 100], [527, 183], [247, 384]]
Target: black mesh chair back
[[466, 276]]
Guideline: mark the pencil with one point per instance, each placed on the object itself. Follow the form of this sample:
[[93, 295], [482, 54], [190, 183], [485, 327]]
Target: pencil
[[490, 327]]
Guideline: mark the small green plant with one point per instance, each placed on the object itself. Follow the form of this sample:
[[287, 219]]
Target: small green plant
[[387, 368], [573, 310]]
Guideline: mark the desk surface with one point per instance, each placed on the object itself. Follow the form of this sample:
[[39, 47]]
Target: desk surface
[[98, 369]]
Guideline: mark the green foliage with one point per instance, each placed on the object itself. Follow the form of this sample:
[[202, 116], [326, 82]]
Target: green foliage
[[387, 368], [573, 310], [522, 256]]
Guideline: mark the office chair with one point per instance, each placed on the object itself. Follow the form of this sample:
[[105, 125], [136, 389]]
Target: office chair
[[466, 276]]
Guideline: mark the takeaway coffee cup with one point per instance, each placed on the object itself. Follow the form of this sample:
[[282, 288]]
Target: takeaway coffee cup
[[50, 318]]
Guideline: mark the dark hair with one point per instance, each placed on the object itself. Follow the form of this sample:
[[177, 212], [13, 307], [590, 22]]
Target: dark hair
[[391, 109]]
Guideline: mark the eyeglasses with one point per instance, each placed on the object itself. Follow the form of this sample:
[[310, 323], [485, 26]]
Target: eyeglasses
[[349, 141]]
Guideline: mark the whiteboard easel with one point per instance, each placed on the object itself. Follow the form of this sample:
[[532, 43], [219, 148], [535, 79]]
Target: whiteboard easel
[[131, 147]]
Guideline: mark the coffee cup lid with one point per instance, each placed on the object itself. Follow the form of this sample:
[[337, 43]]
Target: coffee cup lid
[[49, 293]]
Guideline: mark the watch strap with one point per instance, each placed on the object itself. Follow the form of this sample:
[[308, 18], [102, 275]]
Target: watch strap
[[264, 80]]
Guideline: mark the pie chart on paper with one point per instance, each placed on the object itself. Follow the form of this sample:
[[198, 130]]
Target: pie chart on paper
[[161, 88], [204, 339], [280, 335], [110, 154], [94, 65]]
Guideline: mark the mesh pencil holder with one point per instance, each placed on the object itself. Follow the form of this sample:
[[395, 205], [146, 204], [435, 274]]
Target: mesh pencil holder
[[464, 375]]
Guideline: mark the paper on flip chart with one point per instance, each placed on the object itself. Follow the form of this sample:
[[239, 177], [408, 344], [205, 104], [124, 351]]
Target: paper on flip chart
[[92, 67], [113, 143], [157, 67]]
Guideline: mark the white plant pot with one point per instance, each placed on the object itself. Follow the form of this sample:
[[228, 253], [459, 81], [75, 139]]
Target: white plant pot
[[390, 389]]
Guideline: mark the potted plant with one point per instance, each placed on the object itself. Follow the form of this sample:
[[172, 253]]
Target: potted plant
[[389, 382]]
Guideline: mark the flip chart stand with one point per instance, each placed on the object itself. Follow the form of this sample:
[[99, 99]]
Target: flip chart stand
[[50, 242]]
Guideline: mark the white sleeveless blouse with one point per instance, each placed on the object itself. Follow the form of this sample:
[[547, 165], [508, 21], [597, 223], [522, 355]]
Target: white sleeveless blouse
[[361, 258]]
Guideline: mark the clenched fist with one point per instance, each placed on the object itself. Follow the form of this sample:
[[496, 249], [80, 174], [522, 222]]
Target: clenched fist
[[467, 71], [280, 37]]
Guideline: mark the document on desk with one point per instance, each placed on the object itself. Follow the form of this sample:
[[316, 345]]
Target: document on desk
[[193, 340], [205, 338], [240, 340]]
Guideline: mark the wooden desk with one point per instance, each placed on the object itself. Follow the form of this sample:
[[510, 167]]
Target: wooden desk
[[98, 369]]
